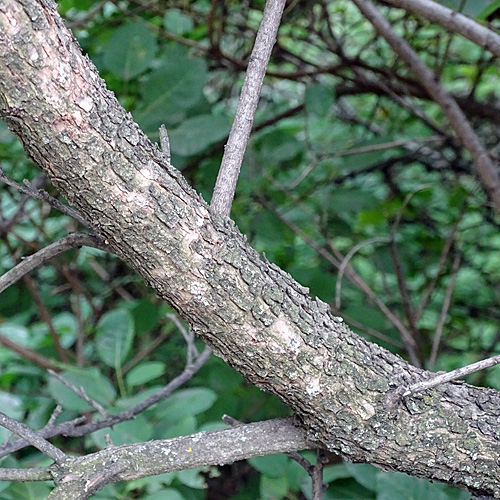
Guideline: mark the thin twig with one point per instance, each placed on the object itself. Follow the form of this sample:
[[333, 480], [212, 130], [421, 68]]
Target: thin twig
[[33, 438], [80, 392], [47, 432], [318, 486], [40, 194], [444, 310], [80, 336], [88, 15], [399, 216], [47, 318], [403, 289], [6, 225], [442, 378], [28, 354], [346, 260], [192, 351], [225, 185], [69, 242], [145, 351], [442, 261], [401, 143]]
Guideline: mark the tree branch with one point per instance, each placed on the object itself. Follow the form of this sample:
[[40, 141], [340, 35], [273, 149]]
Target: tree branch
[[75, 240], [485, 167], [452, 21], [269, 328], [225, 185], [33, 438], [77, 479], [444, 310], [39, 194], [442, 378]]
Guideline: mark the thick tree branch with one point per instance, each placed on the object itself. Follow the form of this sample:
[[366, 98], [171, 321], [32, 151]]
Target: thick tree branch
[[254, 315], [76, 479]]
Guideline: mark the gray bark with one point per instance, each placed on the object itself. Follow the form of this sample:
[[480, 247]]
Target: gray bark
[[80, 477], [254, 315]]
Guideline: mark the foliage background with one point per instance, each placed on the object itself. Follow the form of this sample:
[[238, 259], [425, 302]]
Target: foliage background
[[347, 153]]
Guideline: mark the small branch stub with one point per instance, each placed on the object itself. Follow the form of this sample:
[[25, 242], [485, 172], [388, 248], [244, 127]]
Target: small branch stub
[[165, 142]]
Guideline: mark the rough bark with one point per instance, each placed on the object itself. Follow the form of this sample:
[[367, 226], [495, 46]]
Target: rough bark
[[254, 315], [79, 477]]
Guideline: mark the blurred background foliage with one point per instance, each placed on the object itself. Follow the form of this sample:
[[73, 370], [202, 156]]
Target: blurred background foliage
[[353, 183]]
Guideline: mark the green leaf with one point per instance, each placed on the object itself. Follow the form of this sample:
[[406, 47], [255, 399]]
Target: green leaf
[[171, 90], [404, 487], [352, 200], [373, 217], [472, 8], [271, 465], [369, 152], [490, 9], [192, 478], [130, 431], [144, 372], [153, 483], [12, 406], [196, 134], [114, 334], [66, 326], [347, 489], [334, 472], [279, 145], [26, 491], [176, 22], [187, 402], [16, 333], [326, 135], [145, 315], [295, 474], [93, 382], [14, 300], [168, 429], [130, 50], [167, 493], [273, 487], [365, 474], [319, 99]]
